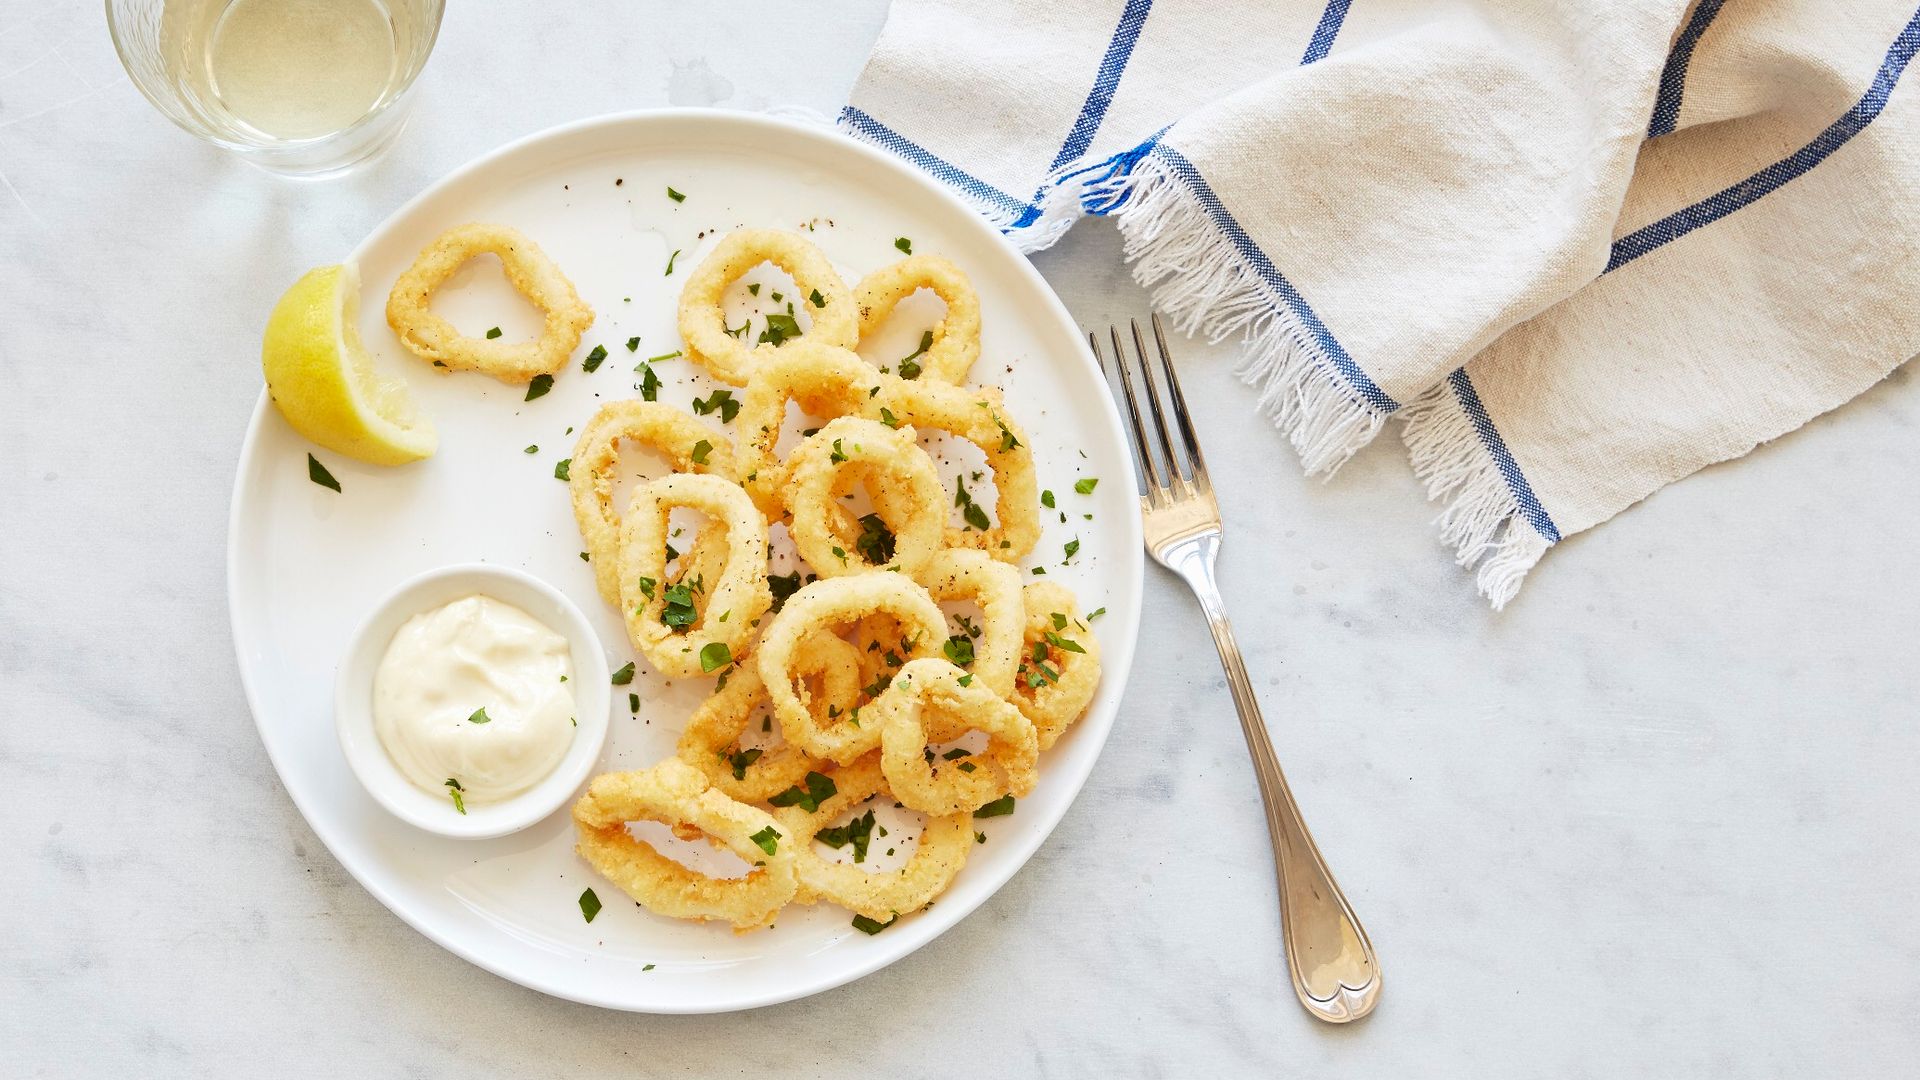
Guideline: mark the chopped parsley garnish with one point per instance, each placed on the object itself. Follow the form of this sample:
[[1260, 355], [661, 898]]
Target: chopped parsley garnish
[[999, 807], [678, 611], [754, 288], [700, 451], [783, 586], [624, 675], [1039, 571], [1046, 499], [532, 448], [838, 454], [663, 357], [480, 716], [649, 967], [1072, 548], [1039, 674], [1007, 441], [1063, 644], [739, 760], [768, 839], [858, 832], [593, 359], [676, 197], [737, 331], [819, 789], [816, 299], [633, 345], [869, 926], [649, 382], [563, 469], [647, 586], [318, 473], [721, 401], [539, 386], [954, 754], [779, 328], [909, 367], [1086, 485], [1092, 615], [715, 655], [904, 245], [1059, 621], [493, 333], [454, 789], [839, 553], [965, 680], [589, 904], [959, 650], [633, 704], [976, 518], [876, 541], [670, 258], [584, 557], [967, 766], [887, 417]]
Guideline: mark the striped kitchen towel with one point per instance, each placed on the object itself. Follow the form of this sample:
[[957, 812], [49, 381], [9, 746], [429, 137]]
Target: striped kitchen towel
[[1581, 249]]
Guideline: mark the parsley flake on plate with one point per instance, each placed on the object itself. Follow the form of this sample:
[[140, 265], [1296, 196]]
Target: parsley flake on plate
[[318, 473]]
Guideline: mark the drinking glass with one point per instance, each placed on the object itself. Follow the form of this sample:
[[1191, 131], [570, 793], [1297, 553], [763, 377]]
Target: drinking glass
[[300, 88]]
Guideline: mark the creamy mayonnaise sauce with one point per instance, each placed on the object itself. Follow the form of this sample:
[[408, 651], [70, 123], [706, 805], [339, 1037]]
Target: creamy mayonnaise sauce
[[447, 665]]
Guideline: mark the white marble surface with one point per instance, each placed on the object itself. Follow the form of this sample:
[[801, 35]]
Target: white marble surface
[[1659, 818]]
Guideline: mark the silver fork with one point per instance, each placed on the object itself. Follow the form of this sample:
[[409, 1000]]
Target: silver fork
[[1332, 962]]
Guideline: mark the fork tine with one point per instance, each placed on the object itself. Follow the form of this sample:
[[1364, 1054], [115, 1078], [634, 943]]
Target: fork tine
[[1142, 476], [1159, 417], [1180, 406], [1149, 472]]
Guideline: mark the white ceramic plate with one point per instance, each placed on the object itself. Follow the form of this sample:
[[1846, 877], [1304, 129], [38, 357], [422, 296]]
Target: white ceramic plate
[[305, 565]]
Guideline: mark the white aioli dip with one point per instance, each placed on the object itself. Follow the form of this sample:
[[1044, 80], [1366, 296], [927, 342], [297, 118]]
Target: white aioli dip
[[446, 665]]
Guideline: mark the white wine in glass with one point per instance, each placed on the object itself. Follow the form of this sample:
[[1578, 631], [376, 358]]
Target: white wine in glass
[[300, 87]]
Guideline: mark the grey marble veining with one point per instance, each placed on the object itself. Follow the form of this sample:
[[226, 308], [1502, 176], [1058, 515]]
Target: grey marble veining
[[1658, 818]]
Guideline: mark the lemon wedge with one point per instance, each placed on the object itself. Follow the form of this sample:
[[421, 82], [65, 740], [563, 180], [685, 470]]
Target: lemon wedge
[[323, 382]]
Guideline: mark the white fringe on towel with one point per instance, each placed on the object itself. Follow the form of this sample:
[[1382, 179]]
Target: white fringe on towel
[[1481, 520], [1201, 283]]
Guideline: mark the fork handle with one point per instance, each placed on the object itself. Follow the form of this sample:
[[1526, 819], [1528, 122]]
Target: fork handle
[[1328, 955]]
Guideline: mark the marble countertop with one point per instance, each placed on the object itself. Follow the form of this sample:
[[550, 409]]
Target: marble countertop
[[1661, 817]]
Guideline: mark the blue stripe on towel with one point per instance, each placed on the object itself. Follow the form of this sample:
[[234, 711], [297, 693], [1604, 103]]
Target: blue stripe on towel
[[1329, 28], [1276, 283], [1673, 78], [926, 160], [1112, 66], [1773, 177], [1094, 110], [1530, 507]]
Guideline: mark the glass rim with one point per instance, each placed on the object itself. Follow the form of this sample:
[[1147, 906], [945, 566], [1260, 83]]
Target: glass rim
[[169, 106]]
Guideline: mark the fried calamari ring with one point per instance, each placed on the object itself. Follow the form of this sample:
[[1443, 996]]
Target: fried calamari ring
[[825, 381], [976, 414], [676, 795], [824, 605], [532, 273], [704, 325], [920, 780], [728, 606], [829, 668], [963, 574], [883, 894], [1055, 682], [674, 433], [956, 337], [889, 461]]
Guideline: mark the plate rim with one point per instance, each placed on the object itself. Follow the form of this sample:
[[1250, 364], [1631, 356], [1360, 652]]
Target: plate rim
[[1131, 572]]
